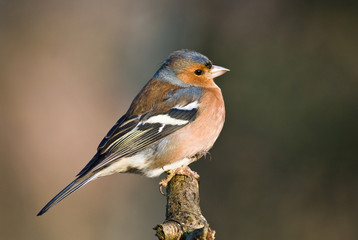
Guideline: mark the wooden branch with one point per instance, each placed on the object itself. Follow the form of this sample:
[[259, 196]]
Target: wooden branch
[[184, 220]]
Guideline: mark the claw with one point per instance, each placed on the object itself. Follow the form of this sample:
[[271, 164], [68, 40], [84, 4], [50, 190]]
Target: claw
[[161, 190], [207, 154]]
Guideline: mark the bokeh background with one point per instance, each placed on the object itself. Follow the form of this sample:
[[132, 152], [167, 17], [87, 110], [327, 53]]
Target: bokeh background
[[285, 165]]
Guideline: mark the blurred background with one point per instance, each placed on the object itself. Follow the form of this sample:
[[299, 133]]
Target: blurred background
[[284, 167]]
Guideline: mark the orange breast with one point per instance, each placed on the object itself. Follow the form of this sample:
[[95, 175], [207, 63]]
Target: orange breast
[[201, 135]]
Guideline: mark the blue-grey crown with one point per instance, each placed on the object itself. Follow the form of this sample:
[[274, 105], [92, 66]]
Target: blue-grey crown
[[183, 57], [187, 55]]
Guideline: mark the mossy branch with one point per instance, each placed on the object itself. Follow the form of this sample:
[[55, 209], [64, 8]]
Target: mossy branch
[[184, 220]]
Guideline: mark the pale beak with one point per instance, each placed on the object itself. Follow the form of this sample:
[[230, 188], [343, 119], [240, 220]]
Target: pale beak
[[217, 71]]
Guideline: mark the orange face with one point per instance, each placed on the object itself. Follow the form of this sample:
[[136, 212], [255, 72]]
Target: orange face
[[197, 74], [201, 75]]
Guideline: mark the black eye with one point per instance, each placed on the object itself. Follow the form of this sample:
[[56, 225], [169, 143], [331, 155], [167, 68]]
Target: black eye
[[198, 72]]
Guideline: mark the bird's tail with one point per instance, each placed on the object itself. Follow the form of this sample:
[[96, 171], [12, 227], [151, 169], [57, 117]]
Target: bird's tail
[[73, 186]]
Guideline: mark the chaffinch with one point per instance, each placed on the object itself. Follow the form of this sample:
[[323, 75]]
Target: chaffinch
[[173, 121]]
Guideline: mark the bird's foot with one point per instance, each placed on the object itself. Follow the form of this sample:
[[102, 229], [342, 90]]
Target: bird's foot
[[164, 182], [186, 171], [201, 154]]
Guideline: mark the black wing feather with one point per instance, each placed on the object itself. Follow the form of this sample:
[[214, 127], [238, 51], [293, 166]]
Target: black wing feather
[[140, 136], [122, 126]]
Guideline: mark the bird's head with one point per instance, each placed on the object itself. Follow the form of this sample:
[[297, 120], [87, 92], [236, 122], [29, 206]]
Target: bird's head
[[191, 68]]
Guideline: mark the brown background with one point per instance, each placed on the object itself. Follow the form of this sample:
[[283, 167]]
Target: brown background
[[284, 167]]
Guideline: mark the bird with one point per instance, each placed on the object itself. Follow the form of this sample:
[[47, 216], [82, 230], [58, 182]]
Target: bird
[[173, 121]]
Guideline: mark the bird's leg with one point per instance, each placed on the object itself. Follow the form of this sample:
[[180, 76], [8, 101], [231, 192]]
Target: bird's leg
[[182, 171], [171, 173]]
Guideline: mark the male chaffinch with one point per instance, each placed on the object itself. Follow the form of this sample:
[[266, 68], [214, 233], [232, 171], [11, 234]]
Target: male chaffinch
[[174, 120]]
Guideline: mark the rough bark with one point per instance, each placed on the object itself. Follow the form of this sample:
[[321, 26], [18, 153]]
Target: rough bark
[[184, 220]]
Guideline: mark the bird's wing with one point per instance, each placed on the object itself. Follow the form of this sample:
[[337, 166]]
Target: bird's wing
[[132, 133]]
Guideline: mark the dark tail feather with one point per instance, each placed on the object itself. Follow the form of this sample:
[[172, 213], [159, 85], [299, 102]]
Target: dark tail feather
[[73, 186]]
